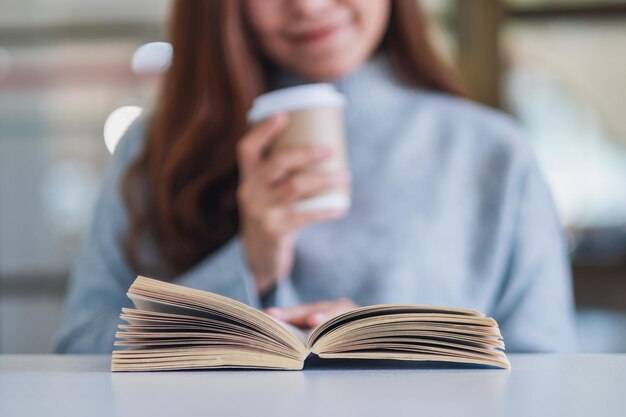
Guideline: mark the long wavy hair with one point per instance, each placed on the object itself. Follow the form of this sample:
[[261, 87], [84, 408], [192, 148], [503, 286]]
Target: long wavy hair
[[181, 189]]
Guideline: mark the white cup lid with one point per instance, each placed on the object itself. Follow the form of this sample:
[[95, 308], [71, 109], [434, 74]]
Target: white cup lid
[[295, 98]]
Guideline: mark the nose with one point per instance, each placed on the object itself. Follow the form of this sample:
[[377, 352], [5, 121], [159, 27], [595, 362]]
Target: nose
[[309, 7]]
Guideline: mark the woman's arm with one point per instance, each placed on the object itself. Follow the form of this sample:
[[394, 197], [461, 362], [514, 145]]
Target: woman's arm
[[535, 308], [101, 276]]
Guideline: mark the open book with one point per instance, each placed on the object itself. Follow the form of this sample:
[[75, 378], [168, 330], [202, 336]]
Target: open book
[[175, 327]]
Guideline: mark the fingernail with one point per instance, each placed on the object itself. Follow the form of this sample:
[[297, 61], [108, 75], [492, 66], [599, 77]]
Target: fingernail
[[319, 317], [316, 319]]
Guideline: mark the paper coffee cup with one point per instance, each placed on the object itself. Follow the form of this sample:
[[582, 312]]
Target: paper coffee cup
[[315, 116]]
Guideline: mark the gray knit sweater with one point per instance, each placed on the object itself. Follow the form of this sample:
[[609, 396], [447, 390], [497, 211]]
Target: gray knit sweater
[[449, 209]]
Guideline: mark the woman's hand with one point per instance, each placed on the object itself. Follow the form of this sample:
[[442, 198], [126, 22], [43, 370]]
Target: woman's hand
[[311, 315], [269, 185]]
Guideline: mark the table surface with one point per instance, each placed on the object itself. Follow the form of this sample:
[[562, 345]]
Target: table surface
[[537, 385]]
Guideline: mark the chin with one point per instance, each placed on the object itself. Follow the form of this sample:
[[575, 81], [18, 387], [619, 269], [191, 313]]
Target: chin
[[328, 72]]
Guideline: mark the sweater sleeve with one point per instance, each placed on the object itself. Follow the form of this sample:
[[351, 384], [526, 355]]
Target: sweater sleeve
[[101, 276], [535, 308], [283, 294]]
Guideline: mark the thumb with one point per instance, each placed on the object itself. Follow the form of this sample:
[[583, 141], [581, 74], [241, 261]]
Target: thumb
[[253, 144]]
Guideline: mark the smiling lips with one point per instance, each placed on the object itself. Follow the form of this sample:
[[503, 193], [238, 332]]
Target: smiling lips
[[317, 35]]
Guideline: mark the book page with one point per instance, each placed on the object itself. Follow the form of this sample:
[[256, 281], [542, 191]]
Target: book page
[[302, 335], [172, 323], [175, 327], [171, 297], [386, 310], [406, 332]]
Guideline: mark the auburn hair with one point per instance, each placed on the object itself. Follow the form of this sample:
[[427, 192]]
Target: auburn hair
[[180, 191]]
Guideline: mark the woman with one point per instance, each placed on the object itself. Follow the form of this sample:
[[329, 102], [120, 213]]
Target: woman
[[448, 205]]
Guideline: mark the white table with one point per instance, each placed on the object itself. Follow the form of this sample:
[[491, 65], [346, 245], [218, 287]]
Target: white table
[[538, 385]]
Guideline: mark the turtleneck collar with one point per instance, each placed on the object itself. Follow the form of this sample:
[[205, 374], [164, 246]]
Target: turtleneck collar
[[373, 88]]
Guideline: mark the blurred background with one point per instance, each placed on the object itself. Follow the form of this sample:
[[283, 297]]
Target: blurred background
[[75, 73]]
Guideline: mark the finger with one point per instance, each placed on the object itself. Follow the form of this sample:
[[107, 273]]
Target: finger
[[283, 162], [290, 313], [333, 310], [253, 144], [296, 220], [296, 315], [308, 183]]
